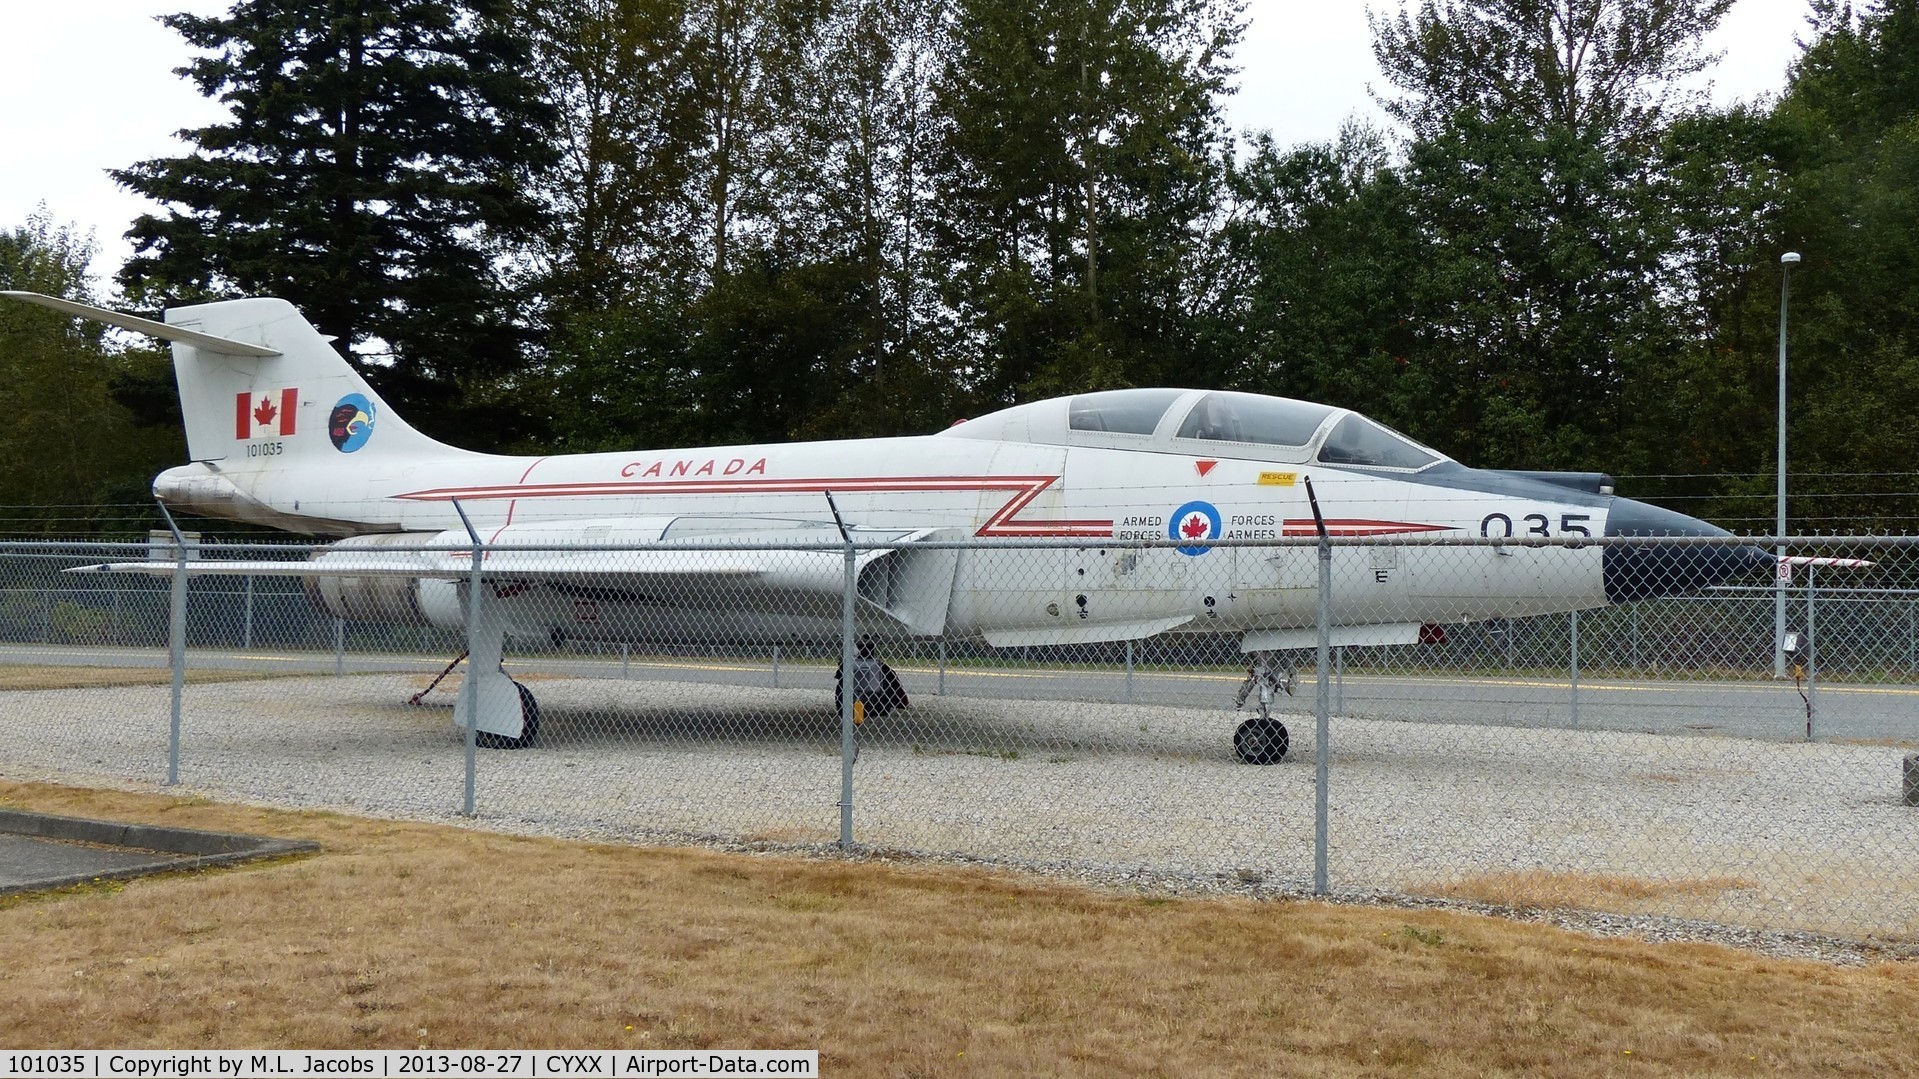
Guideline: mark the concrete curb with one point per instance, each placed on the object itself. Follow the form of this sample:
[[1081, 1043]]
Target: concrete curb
[[175, 848]]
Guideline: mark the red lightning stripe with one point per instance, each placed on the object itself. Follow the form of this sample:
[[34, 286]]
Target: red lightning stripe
[[1001, 524], [515, 504]]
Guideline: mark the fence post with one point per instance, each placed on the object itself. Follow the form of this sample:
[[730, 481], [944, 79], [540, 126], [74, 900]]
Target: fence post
[[470, 686], [1322, 725], [1575, 666], [176, 643], [849, 682], [625, 647], [339, 647], [942, 689], [246, 623], [1812, 650], [776, 666], [1129, 672]]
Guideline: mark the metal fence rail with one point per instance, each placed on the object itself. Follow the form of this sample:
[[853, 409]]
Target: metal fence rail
[[1635, 756]]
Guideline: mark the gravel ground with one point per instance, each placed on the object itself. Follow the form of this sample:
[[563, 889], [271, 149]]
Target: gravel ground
[[1793, 849]]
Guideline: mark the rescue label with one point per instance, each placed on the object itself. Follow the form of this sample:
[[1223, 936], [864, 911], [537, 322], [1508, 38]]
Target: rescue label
[[1278, 479]]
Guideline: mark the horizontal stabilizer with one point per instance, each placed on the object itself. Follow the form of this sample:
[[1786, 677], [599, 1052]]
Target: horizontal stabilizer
[[203, 341]]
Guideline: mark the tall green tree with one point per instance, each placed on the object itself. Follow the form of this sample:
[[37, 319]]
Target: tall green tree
[[374, 170], [1081, 148], [1552, 246], [1844, 141], [1329, 251], [1607, 69], [723, 159], [619, 209], [620, 257], [70, 451]]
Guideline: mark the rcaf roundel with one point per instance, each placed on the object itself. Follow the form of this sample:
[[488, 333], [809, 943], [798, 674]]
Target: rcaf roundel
[[1194, 523]]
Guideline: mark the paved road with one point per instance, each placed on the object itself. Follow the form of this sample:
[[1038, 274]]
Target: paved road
[[1761, 709]]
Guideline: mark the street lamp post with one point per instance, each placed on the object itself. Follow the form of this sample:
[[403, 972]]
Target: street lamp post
[[1781, 572]]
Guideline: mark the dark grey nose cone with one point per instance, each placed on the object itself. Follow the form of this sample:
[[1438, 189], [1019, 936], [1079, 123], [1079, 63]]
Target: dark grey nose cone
[[1643, 571]]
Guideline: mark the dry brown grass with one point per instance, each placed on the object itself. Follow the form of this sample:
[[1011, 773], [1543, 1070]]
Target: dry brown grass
[[1882, 743], [402, 934], [30, 677], [1539, 889]]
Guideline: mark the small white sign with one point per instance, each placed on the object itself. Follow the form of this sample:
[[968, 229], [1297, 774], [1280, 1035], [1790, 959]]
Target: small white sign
[[160, 547]]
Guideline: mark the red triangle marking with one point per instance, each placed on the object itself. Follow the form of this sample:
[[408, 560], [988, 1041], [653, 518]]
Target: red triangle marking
[[1204, 466]]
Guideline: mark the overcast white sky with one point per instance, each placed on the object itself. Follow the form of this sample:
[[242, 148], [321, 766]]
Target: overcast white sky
[[88, 86]]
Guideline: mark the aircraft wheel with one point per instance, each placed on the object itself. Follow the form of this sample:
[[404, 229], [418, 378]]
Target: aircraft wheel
[[529, 729], [1261, 741]]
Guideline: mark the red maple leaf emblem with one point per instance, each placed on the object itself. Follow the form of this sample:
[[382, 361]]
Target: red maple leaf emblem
[[1194, 528], [264, 412]]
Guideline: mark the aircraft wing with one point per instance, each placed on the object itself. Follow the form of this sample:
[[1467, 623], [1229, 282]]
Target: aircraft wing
[[751, 563], [458, 566]]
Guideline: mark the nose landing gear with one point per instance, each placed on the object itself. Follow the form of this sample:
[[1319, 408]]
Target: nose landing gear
[[1263, 739]]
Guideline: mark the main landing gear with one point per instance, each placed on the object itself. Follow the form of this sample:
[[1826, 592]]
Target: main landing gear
[[503, 712], [529, 723], [495, 729], [1264, 739]]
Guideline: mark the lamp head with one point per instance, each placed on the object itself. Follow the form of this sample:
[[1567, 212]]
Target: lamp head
[[1790, 258]]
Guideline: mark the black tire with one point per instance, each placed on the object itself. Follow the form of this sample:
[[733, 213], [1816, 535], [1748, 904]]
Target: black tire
[[529, 729], [1262, 741]]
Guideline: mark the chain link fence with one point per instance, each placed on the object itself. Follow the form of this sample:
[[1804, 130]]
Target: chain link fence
[[1497, 730]]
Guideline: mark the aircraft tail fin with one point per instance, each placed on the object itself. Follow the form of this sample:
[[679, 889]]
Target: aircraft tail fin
[[259, 386]]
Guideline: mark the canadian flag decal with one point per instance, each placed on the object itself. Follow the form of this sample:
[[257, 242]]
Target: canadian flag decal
[[264, 414]]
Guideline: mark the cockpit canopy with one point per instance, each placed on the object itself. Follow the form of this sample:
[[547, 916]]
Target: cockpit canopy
[[1218, 422], [1132, 412]]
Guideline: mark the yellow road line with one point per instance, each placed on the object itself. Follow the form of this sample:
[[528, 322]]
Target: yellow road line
[[1360, 681]]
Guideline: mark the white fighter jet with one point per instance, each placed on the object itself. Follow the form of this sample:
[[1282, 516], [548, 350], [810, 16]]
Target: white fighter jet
[[283, 432]]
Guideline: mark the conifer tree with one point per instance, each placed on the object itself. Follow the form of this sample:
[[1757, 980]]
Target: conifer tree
[[372, 170]]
